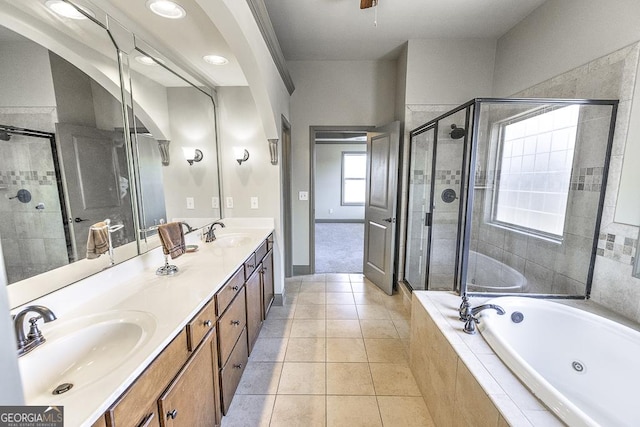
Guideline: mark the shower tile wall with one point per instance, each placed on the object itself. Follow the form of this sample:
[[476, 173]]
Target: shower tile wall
[[33, 240], [562, 268]]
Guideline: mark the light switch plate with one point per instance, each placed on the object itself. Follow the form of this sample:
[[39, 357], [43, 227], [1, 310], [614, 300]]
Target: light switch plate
[[254, 203], [191, 203], [215, 203], [303, 195], [229, 201]]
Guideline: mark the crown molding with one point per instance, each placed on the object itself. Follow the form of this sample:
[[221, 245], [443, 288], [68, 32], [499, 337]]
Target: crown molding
[[260, 14]]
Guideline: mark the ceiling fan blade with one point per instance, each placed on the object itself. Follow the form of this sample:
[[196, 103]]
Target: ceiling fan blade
[[365, 4]]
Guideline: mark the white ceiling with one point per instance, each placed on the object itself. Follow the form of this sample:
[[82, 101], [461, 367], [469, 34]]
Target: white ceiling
[[339, 30]]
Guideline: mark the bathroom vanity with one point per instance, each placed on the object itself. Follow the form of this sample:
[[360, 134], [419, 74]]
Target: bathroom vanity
[[183, 366]]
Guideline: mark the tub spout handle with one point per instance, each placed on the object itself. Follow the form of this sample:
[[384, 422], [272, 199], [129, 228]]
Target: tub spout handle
[[471, 320]]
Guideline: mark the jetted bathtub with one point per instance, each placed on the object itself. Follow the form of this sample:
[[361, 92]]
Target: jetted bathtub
[[582, 366]]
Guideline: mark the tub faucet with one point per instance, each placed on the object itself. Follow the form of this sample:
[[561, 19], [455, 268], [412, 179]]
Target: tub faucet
[[210, 234], [471, 320], [34, 338]]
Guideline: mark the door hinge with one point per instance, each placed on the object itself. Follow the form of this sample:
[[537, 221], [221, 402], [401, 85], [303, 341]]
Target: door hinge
[[427, 219]]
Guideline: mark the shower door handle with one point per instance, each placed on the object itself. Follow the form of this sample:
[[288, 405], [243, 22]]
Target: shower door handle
[[389, 220], [428, 219]]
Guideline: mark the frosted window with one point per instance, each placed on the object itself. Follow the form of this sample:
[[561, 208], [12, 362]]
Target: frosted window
[[354, 174], [534, 171]]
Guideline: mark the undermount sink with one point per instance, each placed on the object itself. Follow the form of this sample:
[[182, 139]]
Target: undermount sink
[[232, 240], [81, 351]]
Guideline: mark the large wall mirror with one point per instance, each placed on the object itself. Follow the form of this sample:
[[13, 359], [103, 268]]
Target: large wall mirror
[[72, 156]]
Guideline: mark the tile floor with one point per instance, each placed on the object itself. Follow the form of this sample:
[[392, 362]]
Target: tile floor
[[335, 354]]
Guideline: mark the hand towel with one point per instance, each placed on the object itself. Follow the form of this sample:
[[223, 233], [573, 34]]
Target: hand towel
[[172, 239], [98, 240]]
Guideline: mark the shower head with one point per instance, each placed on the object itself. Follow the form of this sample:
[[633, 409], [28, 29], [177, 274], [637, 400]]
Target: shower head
[[4, 135], [456, 132]]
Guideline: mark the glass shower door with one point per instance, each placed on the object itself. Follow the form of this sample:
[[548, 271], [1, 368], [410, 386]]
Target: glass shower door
[[419, 209]]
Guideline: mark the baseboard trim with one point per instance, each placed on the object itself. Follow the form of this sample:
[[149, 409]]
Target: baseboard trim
[[301, 270], [278, 300], [339, 221]]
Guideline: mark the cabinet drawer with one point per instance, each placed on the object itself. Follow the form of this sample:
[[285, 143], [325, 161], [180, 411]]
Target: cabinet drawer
[[100, 422], [226, 294], [232, 371], [189, 400], [200, 325], [132, 407], [250, 266], [230, 326], [254, 308], [261, 251]]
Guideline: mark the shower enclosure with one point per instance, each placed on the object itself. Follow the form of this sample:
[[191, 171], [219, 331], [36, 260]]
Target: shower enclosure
[[506, 196]]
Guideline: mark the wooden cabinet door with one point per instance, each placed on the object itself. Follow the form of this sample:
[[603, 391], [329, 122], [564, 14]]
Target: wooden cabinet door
[[267, 283], [190, 399], [254, 308], [217, 406]]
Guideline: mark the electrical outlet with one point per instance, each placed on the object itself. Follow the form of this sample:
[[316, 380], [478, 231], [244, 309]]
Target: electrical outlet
[[330, 210], [229, 202], [254, 203], [215, 203], [303, 195], [191, 203]]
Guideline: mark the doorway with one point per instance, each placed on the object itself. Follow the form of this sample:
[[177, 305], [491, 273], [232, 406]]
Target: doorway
[[338, 197]]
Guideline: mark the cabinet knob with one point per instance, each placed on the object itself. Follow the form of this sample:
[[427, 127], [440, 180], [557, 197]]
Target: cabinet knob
[[251, 266], [238, 366], [173, 414], [235, 322], [208, 323], [235, 288]]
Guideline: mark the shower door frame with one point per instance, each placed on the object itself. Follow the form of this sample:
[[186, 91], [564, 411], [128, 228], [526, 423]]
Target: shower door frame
[[433, 124], [58, 173]]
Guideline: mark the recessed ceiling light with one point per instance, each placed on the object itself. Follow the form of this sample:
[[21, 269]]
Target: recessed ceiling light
[[66, 9], [216, 59], [146, 60], [166, 9]]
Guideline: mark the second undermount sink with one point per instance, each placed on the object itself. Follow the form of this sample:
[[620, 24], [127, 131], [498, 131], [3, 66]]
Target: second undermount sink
[[232, 240], [81, 351]]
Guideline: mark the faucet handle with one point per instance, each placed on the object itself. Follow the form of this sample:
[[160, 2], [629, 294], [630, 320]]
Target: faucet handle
[[34, 333]]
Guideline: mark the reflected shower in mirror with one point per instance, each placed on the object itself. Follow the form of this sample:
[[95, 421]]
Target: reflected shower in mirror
[[62, 141]]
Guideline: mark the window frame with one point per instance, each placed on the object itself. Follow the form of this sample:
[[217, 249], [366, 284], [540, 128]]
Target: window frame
[[501, 126], [343, 179]]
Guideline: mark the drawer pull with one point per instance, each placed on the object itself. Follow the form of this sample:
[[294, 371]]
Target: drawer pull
[[147, 420], [238, 366], [235, 322], [235, 288], [173, 414], [208, 323], [251, 266]]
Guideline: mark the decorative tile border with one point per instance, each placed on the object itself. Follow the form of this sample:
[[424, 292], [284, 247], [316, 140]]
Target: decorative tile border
[[587, 179], [27, 177], [617, 247], [448, 176]]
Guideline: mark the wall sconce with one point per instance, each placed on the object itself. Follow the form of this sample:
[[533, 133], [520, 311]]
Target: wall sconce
[[240, 154], [273, 150], [192, 155], [163, 146]]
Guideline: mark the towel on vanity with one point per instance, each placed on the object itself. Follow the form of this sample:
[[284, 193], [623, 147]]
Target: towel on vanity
[[98, 240], [172, 239]]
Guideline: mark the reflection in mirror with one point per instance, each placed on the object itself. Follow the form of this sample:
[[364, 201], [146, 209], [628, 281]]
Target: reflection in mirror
[[170, 114], [62, 142]]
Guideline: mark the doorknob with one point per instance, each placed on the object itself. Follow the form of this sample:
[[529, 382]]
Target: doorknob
[[390, 220], [79, 219]]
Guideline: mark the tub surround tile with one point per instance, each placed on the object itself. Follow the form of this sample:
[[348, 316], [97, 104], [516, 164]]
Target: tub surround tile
[[456, 382], [405, 411]]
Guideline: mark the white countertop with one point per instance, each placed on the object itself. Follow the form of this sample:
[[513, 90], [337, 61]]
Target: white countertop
[[133, 285]]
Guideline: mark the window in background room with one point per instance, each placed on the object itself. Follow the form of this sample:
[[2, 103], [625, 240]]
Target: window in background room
[[354, 174], [534, 171]]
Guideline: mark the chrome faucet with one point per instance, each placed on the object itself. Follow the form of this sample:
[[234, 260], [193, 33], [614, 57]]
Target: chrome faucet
[[468, 314], [210, 234], [34, 338], [189, 228]]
